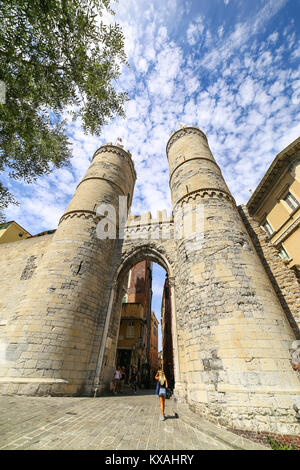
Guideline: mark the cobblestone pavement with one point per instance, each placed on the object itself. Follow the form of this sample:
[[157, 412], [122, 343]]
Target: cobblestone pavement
[[121, 422]]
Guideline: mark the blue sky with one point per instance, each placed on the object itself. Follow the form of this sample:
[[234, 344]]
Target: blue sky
[[231, 67]]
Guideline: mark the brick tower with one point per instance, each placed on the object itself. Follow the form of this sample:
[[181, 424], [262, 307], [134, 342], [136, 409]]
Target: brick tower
[[51, 336], [233, 336]]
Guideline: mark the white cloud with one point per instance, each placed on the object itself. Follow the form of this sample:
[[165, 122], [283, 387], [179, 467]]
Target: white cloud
[[246, 92], [195, 31], [273, 37]]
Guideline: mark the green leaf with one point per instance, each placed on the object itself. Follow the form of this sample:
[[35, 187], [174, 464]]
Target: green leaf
[[53, 55]]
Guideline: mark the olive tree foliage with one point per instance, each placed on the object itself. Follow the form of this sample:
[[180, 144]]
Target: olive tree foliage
[[58, 61]]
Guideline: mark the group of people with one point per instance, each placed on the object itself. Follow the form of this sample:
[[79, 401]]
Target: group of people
[[161, 386], [120, 378]]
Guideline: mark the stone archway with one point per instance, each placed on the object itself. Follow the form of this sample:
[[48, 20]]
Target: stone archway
[[133, 252]]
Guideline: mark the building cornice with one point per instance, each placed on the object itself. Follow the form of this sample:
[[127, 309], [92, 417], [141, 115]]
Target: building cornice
[[286, 233]]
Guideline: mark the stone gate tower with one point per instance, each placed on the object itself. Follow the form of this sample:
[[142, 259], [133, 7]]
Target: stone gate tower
[[50, 337], [234, 337]]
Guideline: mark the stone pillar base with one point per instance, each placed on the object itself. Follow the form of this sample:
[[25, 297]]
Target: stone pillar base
[[97, 390], [255, 410], [38, 386], [180, 391]]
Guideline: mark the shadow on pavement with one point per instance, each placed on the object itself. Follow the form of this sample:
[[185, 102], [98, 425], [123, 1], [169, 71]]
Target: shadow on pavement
[[128, 393], [172, 417]]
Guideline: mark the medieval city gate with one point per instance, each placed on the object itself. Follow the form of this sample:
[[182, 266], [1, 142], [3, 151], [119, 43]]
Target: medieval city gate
[[133, 252], [230, 334]]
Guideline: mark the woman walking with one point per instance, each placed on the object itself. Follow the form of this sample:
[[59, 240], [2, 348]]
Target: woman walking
[[161, 391]]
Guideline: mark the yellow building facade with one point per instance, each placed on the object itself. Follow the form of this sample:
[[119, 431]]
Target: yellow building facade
[[12, 232], [275, 204]]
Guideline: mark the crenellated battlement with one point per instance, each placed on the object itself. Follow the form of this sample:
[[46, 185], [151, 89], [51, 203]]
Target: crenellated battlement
[[146, 218], [119, 150]]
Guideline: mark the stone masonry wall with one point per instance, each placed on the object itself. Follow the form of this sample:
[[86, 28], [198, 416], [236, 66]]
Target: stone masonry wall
[[284, 280], [48, 343], [236, 336], [18, 264]]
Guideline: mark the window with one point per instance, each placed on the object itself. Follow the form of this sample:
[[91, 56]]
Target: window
[[130, 329], [283, 253], [292, 202], [268, 228]]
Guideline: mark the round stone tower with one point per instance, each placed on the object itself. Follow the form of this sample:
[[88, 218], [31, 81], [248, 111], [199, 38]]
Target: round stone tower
[[233, 335], [54, 327]]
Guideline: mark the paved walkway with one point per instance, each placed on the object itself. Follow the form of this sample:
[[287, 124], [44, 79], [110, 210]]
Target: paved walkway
[[121, 422]]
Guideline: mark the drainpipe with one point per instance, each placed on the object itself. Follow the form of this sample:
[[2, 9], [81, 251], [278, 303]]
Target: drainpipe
[[174, 333]]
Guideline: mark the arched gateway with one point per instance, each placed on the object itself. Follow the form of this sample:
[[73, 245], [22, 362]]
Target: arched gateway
[[231, 338]]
